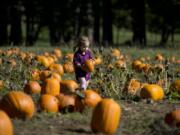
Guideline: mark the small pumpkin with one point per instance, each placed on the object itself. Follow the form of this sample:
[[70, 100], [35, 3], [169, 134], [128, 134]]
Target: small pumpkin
[[48, 103], [88, 65], [44, 74], [57, 52], [135, 64], [51, 86], [173, 118], [159, 57], [68, 86], [98, 60], [132, 86], [57, 68], [32, 87], [90, 99], [68, 67], [152, 91], [18, 104], [69, 57], [121, 64], [115, 53], [106, 116], [55, 75], [6, 126], [43, 60]]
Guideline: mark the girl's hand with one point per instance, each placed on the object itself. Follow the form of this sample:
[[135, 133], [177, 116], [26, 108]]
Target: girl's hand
[[78, 65]]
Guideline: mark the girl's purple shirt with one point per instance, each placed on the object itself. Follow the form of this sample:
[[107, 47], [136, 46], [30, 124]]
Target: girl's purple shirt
[[80, 58]]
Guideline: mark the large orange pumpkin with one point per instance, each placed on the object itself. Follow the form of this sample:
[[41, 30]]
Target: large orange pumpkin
[[175, 86], [32, 87], [48, 103], [88, 65], [152, 91], [6, 126], [51, 86], [18, 104], [173, 118], [106, 116], [68, 86]]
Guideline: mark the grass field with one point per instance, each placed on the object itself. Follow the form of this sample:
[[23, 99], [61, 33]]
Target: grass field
[[139, 116]]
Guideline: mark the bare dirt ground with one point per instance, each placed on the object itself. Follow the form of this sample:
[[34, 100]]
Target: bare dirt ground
[[138, 118]]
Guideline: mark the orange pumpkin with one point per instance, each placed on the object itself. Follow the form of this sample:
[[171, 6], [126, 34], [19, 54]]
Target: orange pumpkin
[[57, 52], [44, 74], [57, 68], [121, 64], [51, 86], [173, 118], [88, 65], [32, 87], [51, 60], [43, 60], [175, 86], [68, 67], [159, 57], [98, 60], [18, 104], [68, 86], [132, 86], [66, 101], [48, 103], [69, 57], [106, 116], [152, 91], [91, 99], [135, 64], [115, 53], [146, 68], [55, 75], [6, 126]]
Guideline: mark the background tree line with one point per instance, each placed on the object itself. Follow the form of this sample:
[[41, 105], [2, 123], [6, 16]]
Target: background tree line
[[68, 19]]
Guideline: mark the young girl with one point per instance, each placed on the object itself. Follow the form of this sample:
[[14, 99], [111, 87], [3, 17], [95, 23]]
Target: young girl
[[82, 53]]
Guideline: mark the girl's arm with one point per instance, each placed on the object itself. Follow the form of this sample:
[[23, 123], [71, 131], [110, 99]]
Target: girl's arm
[[76, 61]]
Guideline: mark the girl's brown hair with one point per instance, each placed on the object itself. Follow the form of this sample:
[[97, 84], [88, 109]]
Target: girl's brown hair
[[81, 40]]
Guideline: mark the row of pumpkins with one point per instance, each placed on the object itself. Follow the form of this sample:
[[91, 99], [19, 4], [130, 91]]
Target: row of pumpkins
[[57, 94]]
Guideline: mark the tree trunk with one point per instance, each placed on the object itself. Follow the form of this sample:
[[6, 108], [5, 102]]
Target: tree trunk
[[138, 23], [96, 9], [16, 29], [90, 21], [3, 24], [107, 22]]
